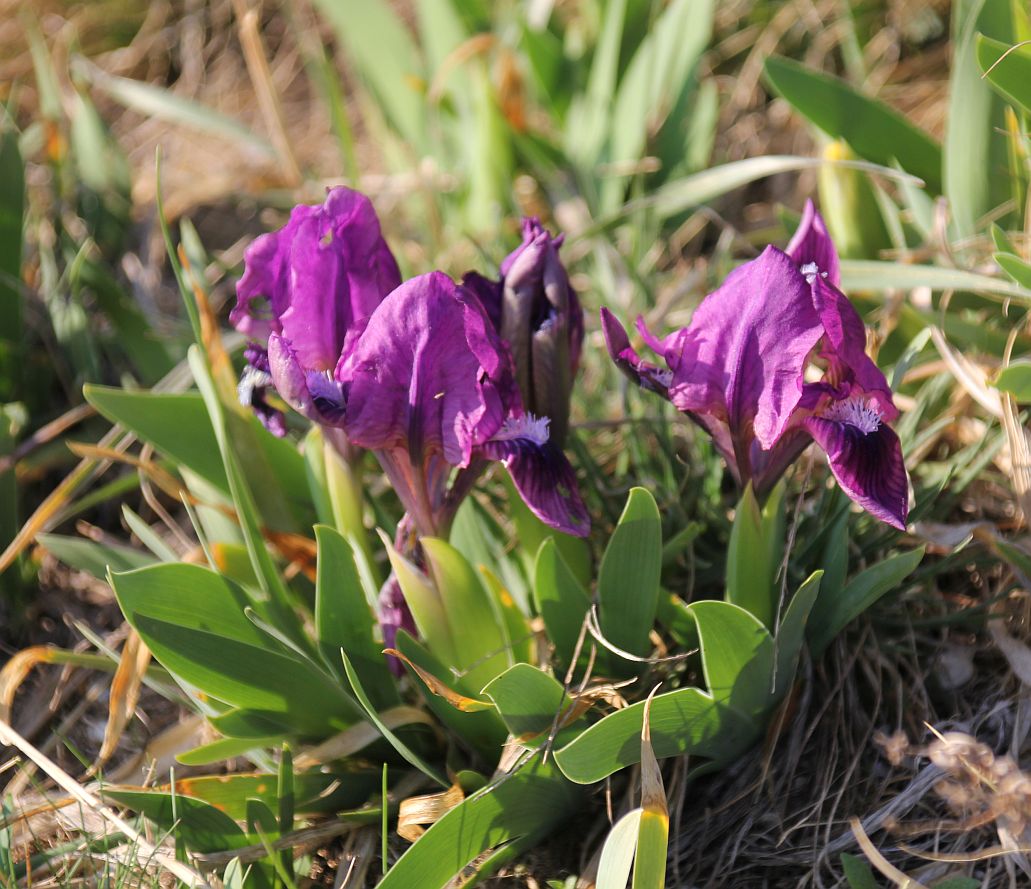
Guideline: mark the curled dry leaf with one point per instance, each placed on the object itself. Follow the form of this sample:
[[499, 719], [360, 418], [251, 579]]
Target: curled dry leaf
[[125, 692], [418, 811]]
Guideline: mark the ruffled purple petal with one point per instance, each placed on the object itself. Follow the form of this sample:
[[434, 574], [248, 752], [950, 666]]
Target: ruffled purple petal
[[429, 374], [314, 394], [488, 292], [868, 465], [812, 249], [543, 476], [318, 279], [743, 357]]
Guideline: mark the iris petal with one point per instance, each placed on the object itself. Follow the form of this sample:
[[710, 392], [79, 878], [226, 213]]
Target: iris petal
[[545, 480], [812, 244], [867, 465]]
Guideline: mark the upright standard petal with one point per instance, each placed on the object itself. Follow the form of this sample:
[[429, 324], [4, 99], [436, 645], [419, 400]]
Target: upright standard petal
[[313, 285], [429, 374], [812, 249], [743, 356]]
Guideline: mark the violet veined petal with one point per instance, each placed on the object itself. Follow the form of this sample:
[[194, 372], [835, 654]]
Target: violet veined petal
[[542, 475], [429, 374], [314, 394], [743, 356], [635, 368], [812, 249], [867, 464]]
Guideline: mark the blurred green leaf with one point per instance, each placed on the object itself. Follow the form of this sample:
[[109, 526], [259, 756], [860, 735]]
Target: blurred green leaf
[[628, 578], [871, 128], [157, 102], [1015, 378], [1011, 76], [858, 872], [859, 275], [658, 75], [386, 57], [1016, 268], [93, 557], [12, 209], [832, 613], [976, 161]]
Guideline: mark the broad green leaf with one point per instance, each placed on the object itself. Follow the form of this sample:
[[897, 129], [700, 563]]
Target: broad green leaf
[[527, 698], [194, 622], [737, 657], [791, 633], [560, 600], [529, 802], [859, 275], [93, 557], [873, 130], [683, 721], [1015, 378], [483, 729], [426, 605], [976, 160], [628, 579], [477, 628], [832, 613], [1012, 76], [617, 855], [848, 204], [372, 34], [406, 752], [343, 619], [201, 826], [754, 554]]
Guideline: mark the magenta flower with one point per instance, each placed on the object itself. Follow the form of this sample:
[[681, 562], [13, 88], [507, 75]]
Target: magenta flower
[[538, 314], [307, 290], [429, 386], [739, 371]]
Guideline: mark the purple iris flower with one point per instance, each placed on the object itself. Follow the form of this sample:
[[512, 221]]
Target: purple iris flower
[[538, 314], [739, 371], [429, 386], [307, 291]]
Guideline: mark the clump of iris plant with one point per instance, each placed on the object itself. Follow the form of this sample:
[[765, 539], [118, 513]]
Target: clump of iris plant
[[774, 360]]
